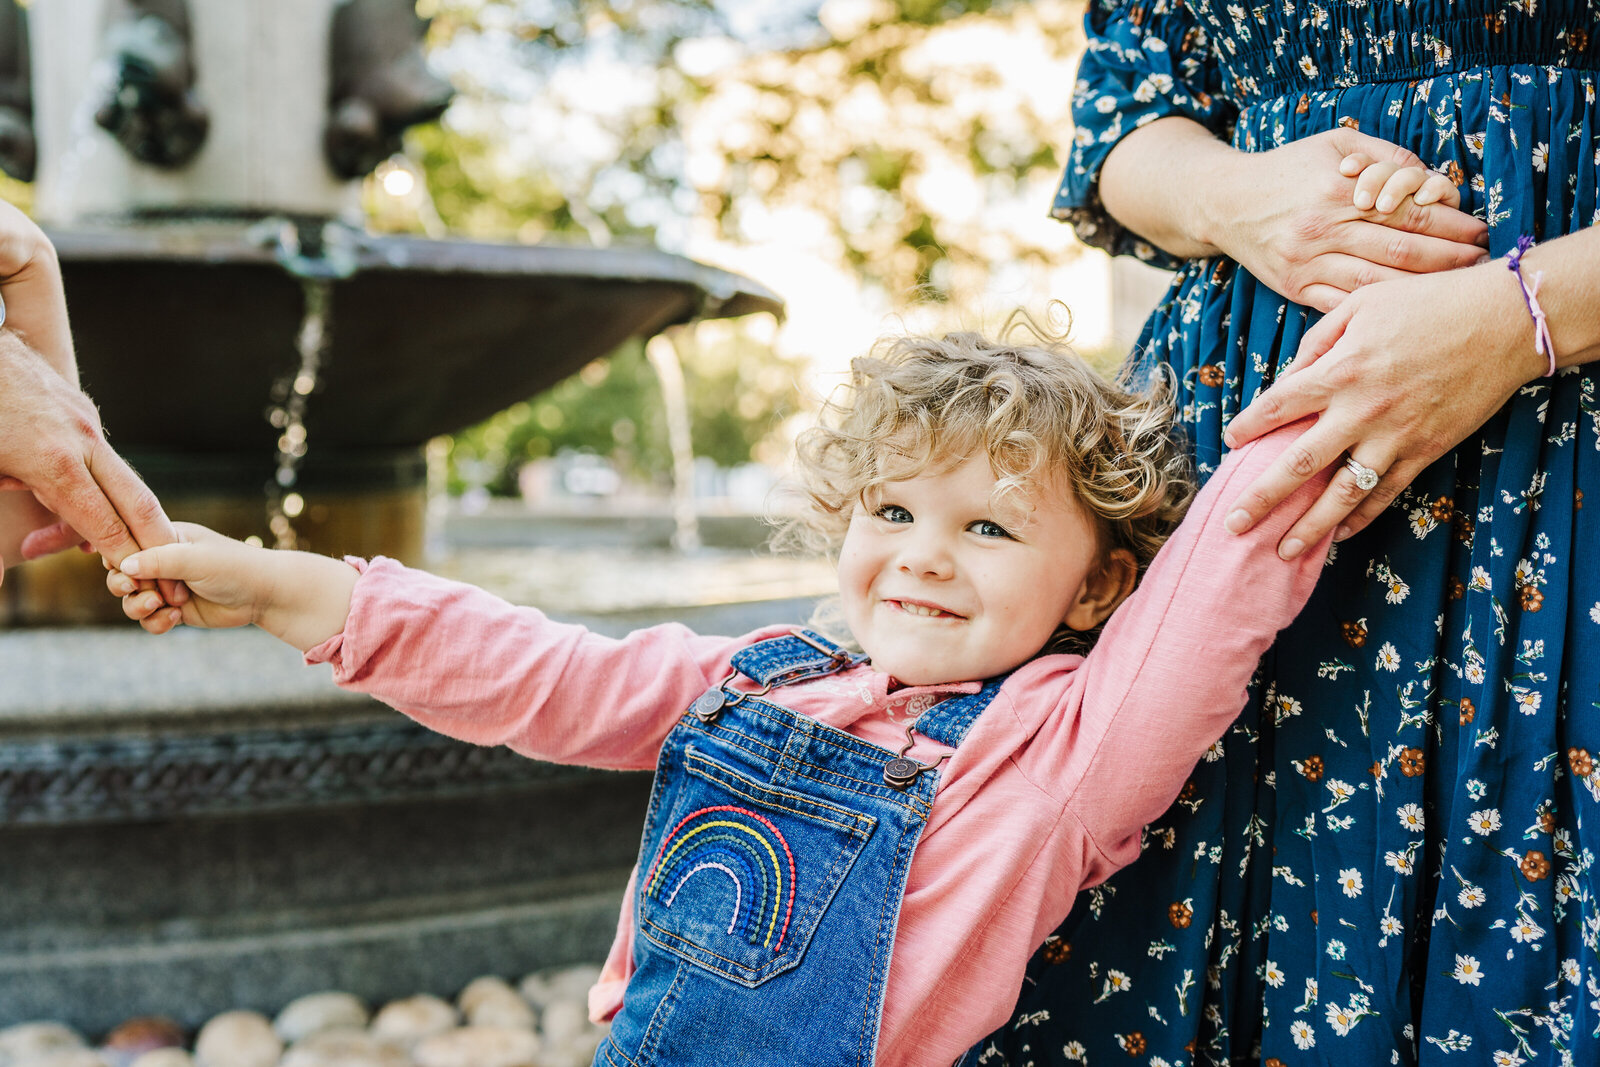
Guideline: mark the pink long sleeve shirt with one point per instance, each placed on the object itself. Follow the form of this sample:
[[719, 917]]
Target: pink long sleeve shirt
[[1046, 796]]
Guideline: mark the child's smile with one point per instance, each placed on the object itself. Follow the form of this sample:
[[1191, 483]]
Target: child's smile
[[939, 586]]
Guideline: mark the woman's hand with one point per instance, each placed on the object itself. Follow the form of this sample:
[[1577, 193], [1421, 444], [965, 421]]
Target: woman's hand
[[1287, 215], [1398, 375], [1292, 220]]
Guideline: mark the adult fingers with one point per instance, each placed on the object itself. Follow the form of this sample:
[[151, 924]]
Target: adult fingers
[[1372, 182], [1391, 244], [145, 520], [1347, 141], [1342, 497], [1442, 221], [1292, 395], [1313, 451], [49, 540], [1394, 482]]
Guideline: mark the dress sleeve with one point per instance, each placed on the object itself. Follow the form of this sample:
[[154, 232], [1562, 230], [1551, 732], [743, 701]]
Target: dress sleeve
[[1146, 59], [1169, 672], [466, 664]]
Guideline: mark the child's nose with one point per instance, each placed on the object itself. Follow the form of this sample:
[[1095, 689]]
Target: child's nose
[[927, 555]]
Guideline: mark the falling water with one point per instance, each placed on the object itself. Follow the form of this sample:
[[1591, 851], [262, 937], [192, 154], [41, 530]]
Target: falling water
[[287, 413], [317, 257], [663, 357]]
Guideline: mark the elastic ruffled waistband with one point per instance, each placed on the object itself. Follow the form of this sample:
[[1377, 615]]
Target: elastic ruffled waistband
[[1375, 43]]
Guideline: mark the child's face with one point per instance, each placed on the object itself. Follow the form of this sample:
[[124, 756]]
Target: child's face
[[938, 587]]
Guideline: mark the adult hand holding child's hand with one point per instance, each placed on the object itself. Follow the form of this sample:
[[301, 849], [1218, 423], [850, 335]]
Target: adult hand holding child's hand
[[299, 597]]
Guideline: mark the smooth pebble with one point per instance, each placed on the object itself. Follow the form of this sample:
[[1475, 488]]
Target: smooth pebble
[[343, 1048], [237, 1039], [405, 1022], [479, 1046], [33, 1038], [316, 1012]]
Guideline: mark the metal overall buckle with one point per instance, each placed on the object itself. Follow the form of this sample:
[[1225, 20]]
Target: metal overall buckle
[[901, 771], [709, 705]]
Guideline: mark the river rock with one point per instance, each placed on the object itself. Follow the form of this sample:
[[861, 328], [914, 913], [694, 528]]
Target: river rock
[[343, 1048], [63, 1057], [479, 1046], [237, 1039], [542, 987], [316, 1012], [23, 1040], [134, 1037], [563, 1021], [403, 1023], [164, 1057]]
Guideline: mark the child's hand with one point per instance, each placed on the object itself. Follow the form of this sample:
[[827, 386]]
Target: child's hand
[[1383, 187], [227, 580], [298, 597]]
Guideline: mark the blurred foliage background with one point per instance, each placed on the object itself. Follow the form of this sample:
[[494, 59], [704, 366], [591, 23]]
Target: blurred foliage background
[[908, 146]]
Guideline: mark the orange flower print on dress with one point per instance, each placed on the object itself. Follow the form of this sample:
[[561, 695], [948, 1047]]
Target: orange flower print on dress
[[1457, 176], [1412, 762], [1211, 374], [1463, 526], [1580, 762], [1530, 597], [1469, 710], [1355, 633], [1456, 587], [1349, 123], [1180, 914], [1534, 865], [1188, 791], [1134, 1044], [1547, 821], [1311, 767], [1443, 507], [1057, 951]]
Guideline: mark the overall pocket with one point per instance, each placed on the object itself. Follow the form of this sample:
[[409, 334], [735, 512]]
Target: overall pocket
[[742, 872]]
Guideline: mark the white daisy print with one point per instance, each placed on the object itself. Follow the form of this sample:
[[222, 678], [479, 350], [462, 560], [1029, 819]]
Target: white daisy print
[[1388, 657], [1350, 882], [1274, 975], [1484, 822], [1526, 931], [1341, 1019], [1304, 1036], [1471, 896], [1411, 817], [1468, 970]]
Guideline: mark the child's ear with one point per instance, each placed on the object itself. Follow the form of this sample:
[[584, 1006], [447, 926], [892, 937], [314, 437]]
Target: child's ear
[[1106, 587]]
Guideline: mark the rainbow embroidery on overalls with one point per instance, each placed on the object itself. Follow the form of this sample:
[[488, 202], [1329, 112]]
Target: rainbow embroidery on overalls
[[722, 842]]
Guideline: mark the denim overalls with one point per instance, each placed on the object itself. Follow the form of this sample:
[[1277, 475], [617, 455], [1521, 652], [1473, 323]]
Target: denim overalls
[[774, 861]]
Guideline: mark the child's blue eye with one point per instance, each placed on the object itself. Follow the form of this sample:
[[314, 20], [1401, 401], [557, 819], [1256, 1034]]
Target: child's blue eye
[[893, 513], [989, 528]]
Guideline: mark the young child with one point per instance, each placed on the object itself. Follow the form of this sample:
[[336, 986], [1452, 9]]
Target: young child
[[848, 857]]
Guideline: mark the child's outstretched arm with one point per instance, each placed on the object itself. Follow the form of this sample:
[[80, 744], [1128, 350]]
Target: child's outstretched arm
[[298, 597], [1383, 186]]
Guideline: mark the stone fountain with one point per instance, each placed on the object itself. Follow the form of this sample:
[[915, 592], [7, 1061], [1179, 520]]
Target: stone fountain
[[198, 822]]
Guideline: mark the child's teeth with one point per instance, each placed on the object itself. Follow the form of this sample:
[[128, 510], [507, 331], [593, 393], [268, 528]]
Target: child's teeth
[[918, 609]]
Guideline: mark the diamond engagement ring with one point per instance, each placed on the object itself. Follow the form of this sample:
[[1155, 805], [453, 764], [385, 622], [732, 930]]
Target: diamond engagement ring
[[1366, 477]]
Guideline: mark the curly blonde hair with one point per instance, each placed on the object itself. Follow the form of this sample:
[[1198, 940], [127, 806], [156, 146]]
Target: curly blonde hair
[[1045, 419]]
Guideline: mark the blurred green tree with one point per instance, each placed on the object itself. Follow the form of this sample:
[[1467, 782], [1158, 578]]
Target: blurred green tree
[[903, 133]]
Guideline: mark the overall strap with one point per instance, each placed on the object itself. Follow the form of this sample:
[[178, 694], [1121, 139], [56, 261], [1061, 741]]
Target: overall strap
[[948, 721], [793, 657]]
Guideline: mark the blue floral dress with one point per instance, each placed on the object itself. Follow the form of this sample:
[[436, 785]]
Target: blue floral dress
[[1391, 856]]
